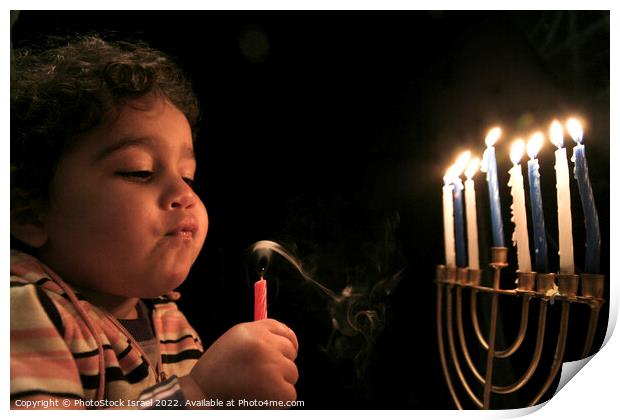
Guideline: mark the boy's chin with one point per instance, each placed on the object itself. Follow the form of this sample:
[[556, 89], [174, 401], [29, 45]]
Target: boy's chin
[[164, 287]]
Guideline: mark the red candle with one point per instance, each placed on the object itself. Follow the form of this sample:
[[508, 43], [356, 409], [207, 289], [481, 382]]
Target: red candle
[[260, 299]]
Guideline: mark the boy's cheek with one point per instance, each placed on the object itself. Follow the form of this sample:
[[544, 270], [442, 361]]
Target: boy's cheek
[[204, 218]]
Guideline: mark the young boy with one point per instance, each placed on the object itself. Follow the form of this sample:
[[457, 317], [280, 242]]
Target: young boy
[[102, 166]]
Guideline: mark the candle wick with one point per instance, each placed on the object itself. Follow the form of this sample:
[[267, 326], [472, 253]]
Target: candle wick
[[261, 271]]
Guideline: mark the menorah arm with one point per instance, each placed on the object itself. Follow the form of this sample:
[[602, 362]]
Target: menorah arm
[[455, 360], [442, 352], [459, 327], [559, 352], [474, 319], [525, 311], [594, 312], [520, 335], [540, 338]]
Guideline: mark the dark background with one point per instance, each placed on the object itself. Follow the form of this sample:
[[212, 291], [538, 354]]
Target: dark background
[[330, 132]]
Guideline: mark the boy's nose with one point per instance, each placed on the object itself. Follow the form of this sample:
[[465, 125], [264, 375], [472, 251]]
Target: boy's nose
[[184, 201], [182, 196]]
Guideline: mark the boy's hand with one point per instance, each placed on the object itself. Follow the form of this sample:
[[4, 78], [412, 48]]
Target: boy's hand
[[253, 360]]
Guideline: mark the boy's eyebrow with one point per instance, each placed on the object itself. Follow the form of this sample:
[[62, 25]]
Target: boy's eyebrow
[[136, 141]]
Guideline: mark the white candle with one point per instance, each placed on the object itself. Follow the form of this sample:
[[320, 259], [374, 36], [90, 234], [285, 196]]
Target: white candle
[[519, 216], [565, 224], [448, 220], [470, 210]]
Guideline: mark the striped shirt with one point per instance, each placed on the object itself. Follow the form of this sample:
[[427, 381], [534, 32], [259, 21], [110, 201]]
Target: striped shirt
[[63, 346]]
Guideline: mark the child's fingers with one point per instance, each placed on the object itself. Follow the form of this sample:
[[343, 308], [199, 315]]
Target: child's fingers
[[286, 392], [285, 346], [290, 372], [279, 328]]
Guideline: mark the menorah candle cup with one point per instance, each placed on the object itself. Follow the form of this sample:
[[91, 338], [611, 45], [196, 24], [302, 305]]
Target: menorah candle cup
[[592, 285], [545, 282], [526, 280], [473, 276], [461, 275], [499, 255], [440, 273], [450, 274], [568, 284]]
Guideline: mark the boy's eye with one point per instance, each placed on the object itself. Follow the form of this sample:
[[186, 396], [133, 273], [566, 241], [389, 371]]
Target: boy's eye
[[136, 175], [143, 176], [190, 182]]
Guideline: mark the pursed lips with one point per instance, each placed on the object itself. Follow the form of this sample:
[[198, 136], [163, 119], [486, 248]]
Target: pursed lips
[[185, 230]]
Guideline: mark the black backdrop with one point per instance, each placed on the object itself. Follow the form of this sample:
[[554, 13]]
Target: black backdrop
[[330, 132]]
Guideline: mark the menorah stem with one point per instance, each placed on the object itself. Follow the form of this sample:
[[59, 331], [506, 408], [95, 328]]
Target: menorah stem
[[594, 312], [559, 352], [455, 360], [488, 383], [459, 327], [442, 352], [520, 335], [540, 339]]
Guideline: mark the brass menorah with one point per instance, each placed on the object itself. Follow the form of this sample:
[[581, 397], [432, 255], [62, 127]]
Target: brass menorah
[[542, 287]]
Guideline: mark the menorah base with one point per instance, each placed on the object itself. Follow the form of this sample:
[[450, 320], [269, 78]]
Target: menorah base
[[539, 286]]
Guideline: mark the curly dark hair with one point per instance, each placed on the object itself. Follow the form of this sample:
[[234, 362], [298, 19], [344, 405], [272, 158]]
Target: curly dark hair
[[61, 92]]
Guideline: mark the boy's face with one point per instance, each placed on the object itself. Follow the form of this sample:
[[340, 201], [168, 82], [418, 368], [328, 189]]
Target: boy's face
[[123, 219]]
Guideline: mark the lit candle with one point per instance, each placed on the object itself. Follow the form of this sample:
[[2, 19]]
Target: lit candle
[[565, 224], [489, 165], [448, 219], [519, 216], [538, 218], [260, 298], [470, 211], [593, 233], [459, 225]]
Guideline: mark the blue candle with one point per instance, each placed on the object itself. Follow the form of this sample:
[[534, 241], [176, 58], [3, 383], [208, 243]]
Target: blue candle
[[459, 227], [489, 165], [538, 218], [593, 233]]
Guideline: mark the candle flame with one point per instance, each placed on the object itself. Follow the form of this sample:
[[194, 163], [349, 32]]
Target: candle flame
[[534, 144], [461, 163], [556, 134], [575, 130], [449, 176], [472, 168], [492, 136], [517, 150]]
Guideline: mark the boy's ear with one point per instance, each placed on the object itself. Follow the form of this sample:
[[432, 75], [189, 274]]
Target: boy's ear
[[27, 227]]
